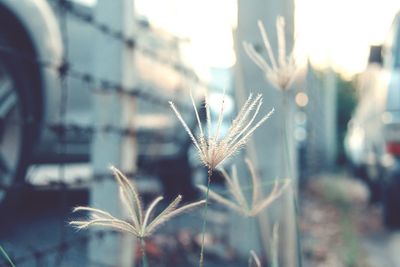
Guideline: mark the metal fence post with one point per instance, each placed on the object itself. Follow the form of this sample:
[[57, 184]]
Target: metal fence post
[[114, 61]]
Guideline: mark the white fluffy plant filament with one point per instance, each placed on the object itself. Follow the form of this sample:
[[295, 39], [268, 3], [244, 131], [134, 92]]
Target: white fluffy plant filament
[[281, 69], [213, 149], [141, 223]]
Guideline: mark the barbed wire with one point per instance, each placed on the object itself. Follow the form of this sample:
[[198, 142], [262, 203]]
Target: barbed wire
[[132, 43], [84, 131], [63, 130], [99, 85], [89, 19]]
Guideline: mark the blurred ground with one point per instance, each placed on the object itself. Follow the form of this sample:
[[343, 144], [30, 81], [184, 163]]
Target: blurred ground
[[40, 225], [339, 228]]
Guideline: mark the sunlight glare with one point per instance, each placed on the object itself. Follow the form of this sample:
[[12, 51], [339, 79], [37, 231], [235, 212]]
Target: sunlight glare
[[339, 32], [206, 23]]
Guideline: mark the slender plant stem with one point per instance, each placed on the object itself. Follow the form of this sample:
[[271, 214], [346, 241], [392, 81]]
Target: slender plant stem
[[274, 246], [5, 255], [287, 155], [290, 173], [203, 231], [144, 256]]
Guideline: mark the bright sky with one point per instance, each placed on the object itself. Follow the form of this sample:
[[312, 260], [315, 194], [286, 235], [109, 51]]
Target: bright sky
[[339, 32], [330, 32], [208, 23]]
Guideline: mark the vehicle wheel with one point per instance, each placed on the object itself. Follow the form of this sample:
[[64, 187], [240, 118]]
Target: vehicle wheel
[[16, 127], [358, 171], [391, 202], [372, 176]]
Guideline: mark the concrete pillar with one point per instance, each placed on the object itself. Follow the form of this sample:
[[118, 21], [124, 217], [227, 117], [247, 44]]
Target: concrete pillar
[[113, 61], [266, 149], [321, 87]]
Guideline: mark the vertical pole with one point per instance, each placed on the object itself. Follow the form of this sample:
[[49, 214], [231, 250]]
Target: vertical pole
[[330, 95], [113, 61], [267, 138], [321, 114]]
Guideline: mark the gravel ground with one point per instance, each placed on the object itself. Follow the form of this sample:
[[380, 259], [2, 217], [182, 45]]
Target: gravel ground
[[340, 227]]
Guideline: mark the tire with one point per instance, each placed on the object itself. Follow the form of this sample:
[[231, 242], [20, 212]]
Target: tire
[[16, 121], [373, 182], [391, 202]]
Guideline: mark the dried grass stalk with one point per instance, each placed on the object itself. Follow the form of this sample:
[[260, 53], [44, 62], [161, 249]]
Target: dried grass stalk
[[140, 223], [281, 71], [237, 201], [214, 149]]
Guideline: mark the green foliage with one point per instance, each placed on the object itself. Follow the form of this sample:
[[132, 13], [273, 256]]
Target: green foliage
[[346, 102]]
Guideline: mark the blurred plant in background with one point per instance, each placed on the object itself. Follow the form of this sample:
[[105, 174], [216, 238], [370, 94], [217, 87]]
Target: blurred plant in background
[[282, 71], [345, 103], [281, 74], [237, 192]]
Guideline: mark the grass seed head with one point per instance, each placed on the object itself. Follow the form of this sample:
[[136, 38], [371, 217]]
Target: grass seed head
[[212, 148], [280, 71], [237, 201], [140, 222]]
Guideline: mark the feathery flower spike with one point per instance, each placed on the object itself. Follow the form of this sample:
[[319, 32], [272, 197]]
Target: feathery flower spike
[[281, 72], [239, 202], [214, 149], [140, 223]]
